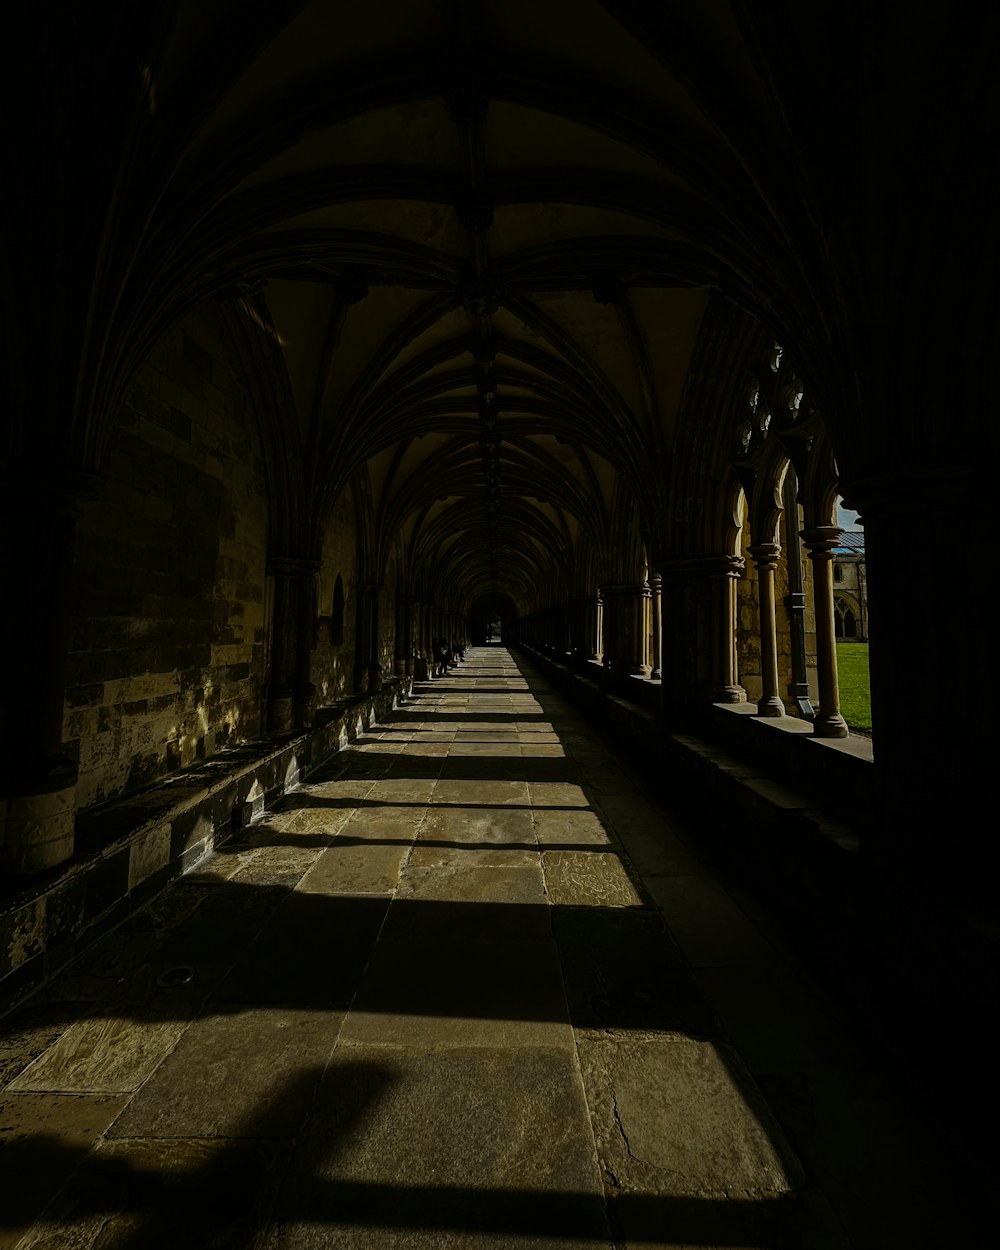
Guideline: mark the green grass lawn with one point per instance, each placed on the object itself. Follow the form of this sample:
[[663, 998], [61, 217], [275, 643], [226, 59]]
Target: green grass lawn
[[855, 698]]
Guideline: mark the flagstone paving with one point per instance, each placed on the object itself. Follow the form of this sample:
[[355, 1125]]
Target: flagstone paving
[[470, 987]]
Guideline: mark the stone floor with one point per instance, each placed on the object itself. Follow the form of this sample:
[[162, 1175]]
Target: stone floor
[[470, 987]]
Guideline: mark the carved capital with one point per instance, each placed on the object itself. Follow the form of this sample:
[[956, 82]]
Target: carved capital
[[765, 555], [821, 541]]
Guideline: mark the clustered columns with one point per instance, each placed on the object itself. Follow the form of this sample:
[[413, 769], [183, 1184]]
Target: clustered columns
[[656, 597], [765, 557], [699, 639], [291, 696], [819, 543], [626, 632]]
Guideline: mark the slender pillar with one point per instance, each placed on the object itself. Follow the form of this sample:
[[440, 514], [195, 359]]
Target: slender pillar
[[820, 542], [795, 600], [639, 616], [765, 556], [656, 592], [598, 653]]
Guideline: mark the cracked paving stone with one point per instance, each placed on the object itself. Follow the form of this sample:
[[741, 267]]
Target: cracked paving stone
[[683, 1118]]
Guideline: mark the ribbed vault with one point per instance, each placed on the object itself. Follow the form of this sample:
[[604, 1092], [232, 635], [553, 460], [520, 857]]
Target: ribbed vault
[[478, 245]]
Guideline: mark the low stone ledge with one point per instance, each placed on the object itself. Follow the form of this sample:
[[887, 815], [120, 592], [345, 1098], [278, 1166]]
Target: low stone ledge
[[129, 849], [837, 773], [780, 833]]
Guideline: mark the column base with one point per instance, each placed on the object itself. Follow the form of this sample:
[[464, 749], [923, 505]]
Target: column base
[[771, 706], [728, 694], [830, 725], [640, 670], [37, 830]]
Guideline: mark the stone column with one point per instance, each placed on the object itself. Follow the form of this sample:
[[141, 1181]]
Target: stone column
[[656, 590], [638, 614], [795, 601], [598, 635], [699, 634], [37, 780], [765, 556], [820, 542], [626, 628]]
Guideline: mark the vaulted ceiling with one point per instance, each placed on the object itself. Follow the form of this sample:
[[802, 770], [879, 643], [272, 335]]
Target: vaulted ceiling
[[483, 242]]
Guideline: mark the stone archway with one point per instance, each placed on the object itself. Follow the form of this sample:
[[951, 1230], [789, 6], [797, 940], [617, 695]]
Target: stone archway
[[486, 612]]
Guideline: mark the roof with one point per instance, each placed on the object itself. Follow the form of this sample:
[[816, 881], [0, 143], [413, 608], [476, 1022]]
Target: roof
[[852, 543]]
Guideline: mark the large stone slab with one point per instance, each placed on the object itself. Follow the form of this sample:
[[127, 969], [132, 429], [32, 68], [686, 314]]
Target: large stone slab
[[161, 1193], [356, 866], [43, 1139], [401, 790], [660, 855], [111, 1054], [474, 904], [630, 813], [558, 794], [776, 1021], [588, 879], [446, 1151], [476, 791], [312, 952], [29, 1032], [247, 1073], [559, 828], [622, 972], [682, 1118], [126, 1035], [709, 927], [480, 836], [460, 994]]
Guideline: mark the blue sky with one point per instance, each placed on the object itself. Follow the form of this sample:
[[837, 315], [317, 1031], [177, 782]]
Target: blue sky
[[846, 518]]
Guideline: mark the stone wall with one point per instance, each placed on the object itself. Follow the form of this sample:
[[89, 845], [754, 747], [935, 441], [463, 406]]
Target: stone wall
[[167, 655]]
